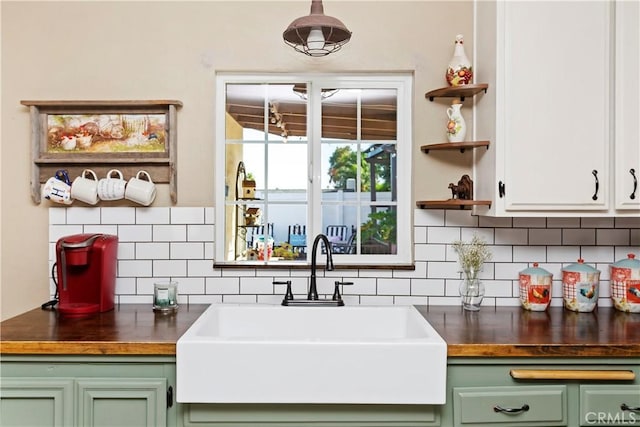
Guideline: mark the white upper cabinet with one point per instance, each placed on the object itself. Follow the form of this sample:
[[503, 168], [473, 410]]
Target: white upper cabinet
[[627, 116], [550, 117]]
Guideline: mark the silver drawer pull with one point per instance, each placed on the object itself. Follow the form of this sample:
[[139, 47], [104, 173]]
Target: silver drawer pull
[[523, 408], [626, 407]]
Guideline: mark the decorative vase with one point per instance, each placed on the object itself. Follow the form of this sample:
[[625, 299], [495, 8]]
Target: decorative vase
[[456, 126], [459, 71], [471, 290]]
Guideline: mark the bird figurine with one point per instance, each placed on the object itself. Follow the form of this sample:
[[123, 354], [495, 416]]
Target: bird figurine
[[635, 292], [588, 293]]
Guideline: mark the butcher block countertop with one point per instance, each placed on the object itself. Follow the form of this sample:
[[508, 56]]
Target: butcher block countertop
[[501, 332]]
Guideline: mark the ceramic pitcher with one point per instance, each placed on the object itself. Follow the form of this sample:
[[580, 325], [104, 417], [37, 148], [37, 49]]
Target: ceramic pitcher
[[456, 127]]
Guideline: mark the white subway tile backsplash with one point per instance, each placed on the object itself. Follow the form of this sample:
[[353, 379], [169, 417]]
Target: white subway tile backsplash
[[613, 237], [579, 236], [152, 216], [100, 228], [394, 287], [528, 253], [200, 233], [190, 285], [435, 252], [444, 235], [201, 268], [135, 268], [57, 216], [126, 250], [530, 222], [169, 233], [178, 243], [126, 286], [596, 222], [209, 216], [508, 271], [134, 233], [182, 250], [419, 235], [187, 215], [495, 222], [511, 236], [564, 254], [459, 218], [222, 286], [593, 254], [627, 222], [77, 215], [563, 222], [169, 268], [118, 215], [58, 231], [427, 287], [149, 250], [501, 253], [485, 234], [361, 286], [545, 236], [428, 217]]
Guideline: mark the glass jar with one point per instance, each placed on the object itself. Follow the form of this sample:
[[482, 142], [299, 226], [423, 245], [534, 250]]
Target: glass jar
[[471, 290], [165, 296]]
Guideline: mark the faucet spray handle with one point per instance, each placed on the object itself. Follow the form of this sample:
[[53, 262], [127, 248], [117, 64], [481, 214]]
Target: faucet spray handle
[[288, 296], [336, 290]]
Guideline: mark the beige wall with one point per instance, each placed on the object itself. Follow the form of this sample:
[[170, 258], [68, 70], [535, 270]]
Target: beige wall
[[171, 50]]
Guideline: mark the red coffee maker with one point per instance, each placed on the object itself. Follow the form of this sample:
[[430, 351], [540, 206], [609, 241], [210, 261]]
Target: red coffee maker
[[86, 273]]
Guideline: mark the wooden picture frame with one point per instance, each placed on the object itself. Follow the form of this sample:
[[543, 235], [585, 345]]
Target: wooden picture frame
[[103, 135]]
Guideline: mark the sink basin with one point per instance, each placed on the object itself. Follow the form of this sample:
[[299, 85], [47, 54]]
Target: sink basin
[[274, 354]]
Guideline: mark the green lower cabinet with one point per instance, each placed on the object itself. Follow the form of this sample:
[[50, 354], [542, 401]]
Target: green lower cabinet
[[482, 393], [320, 415], [610, 405], [33, 402], [108, 402], [526, 405], [87, 391]]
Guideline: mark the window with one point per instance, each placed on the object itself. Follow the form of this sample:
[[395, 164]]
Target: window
[[299, 155]]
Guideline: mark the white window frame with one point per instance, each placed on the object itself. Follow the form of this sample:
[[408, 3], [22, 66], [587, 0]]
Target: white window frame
[[402, 82]]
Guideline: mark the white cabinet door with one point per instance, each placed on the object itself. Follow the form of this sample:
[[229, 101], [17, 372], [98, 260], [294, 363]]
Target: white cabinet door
[[556, 85], [627, 153], [550, 64]]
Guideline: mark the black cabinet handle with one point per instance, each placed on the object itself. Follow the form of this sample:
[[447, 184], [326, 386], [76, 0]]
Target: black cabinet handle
[[626, 407], [635, 183], [523, 408], [501, 189], [595, 175]]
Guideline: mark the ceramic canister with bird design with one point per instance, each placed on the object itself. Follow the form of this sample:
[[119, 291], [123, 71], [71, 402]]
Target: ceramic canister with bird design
[[580, 283], [535, 288], [625, 284]]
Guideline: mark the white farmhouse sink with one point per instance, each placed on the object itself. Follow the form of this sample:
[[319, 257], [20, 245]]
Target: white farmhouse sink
[[275, 354]]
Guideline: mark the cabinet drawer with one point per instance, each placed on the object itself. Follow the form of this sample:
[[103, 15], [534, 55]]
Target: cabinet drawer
[[610, 405], [522, 406]]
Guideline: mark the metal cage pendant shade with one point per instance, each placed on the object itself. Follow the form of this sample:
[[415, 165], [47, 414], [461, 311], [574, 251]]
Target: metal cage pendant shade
[[316, 34]]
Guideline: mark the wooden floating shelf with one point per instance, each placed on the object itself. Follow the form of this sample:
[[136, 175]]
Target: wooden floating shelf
[[457, 91], [451, 204], [454, 146]]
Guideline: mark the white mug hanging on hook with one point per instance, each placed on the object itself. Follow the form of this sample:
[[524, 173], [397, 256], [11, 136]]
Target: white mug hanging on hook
[[456, 126]]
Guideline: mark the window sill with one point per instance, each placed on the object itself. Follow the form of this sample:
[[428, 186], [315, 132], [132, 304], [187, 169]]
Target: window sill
[[280, 265]]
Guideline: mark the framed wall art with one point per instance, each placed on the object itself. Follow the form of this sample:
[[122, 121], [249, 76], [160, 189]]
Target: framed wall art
[[103, 135]]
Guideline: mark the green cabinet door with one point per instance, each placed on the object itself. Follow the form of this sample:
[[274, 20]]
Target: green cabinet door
[[36, 402], [122, 402]]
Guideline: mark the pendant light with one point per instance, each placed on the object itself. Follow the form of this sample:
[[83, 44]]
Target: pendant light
[[316, 34]]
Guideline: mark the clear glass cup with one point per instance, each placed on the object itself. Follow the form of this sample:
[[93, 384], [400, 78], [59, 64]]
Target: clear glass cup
[[165, 296]]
